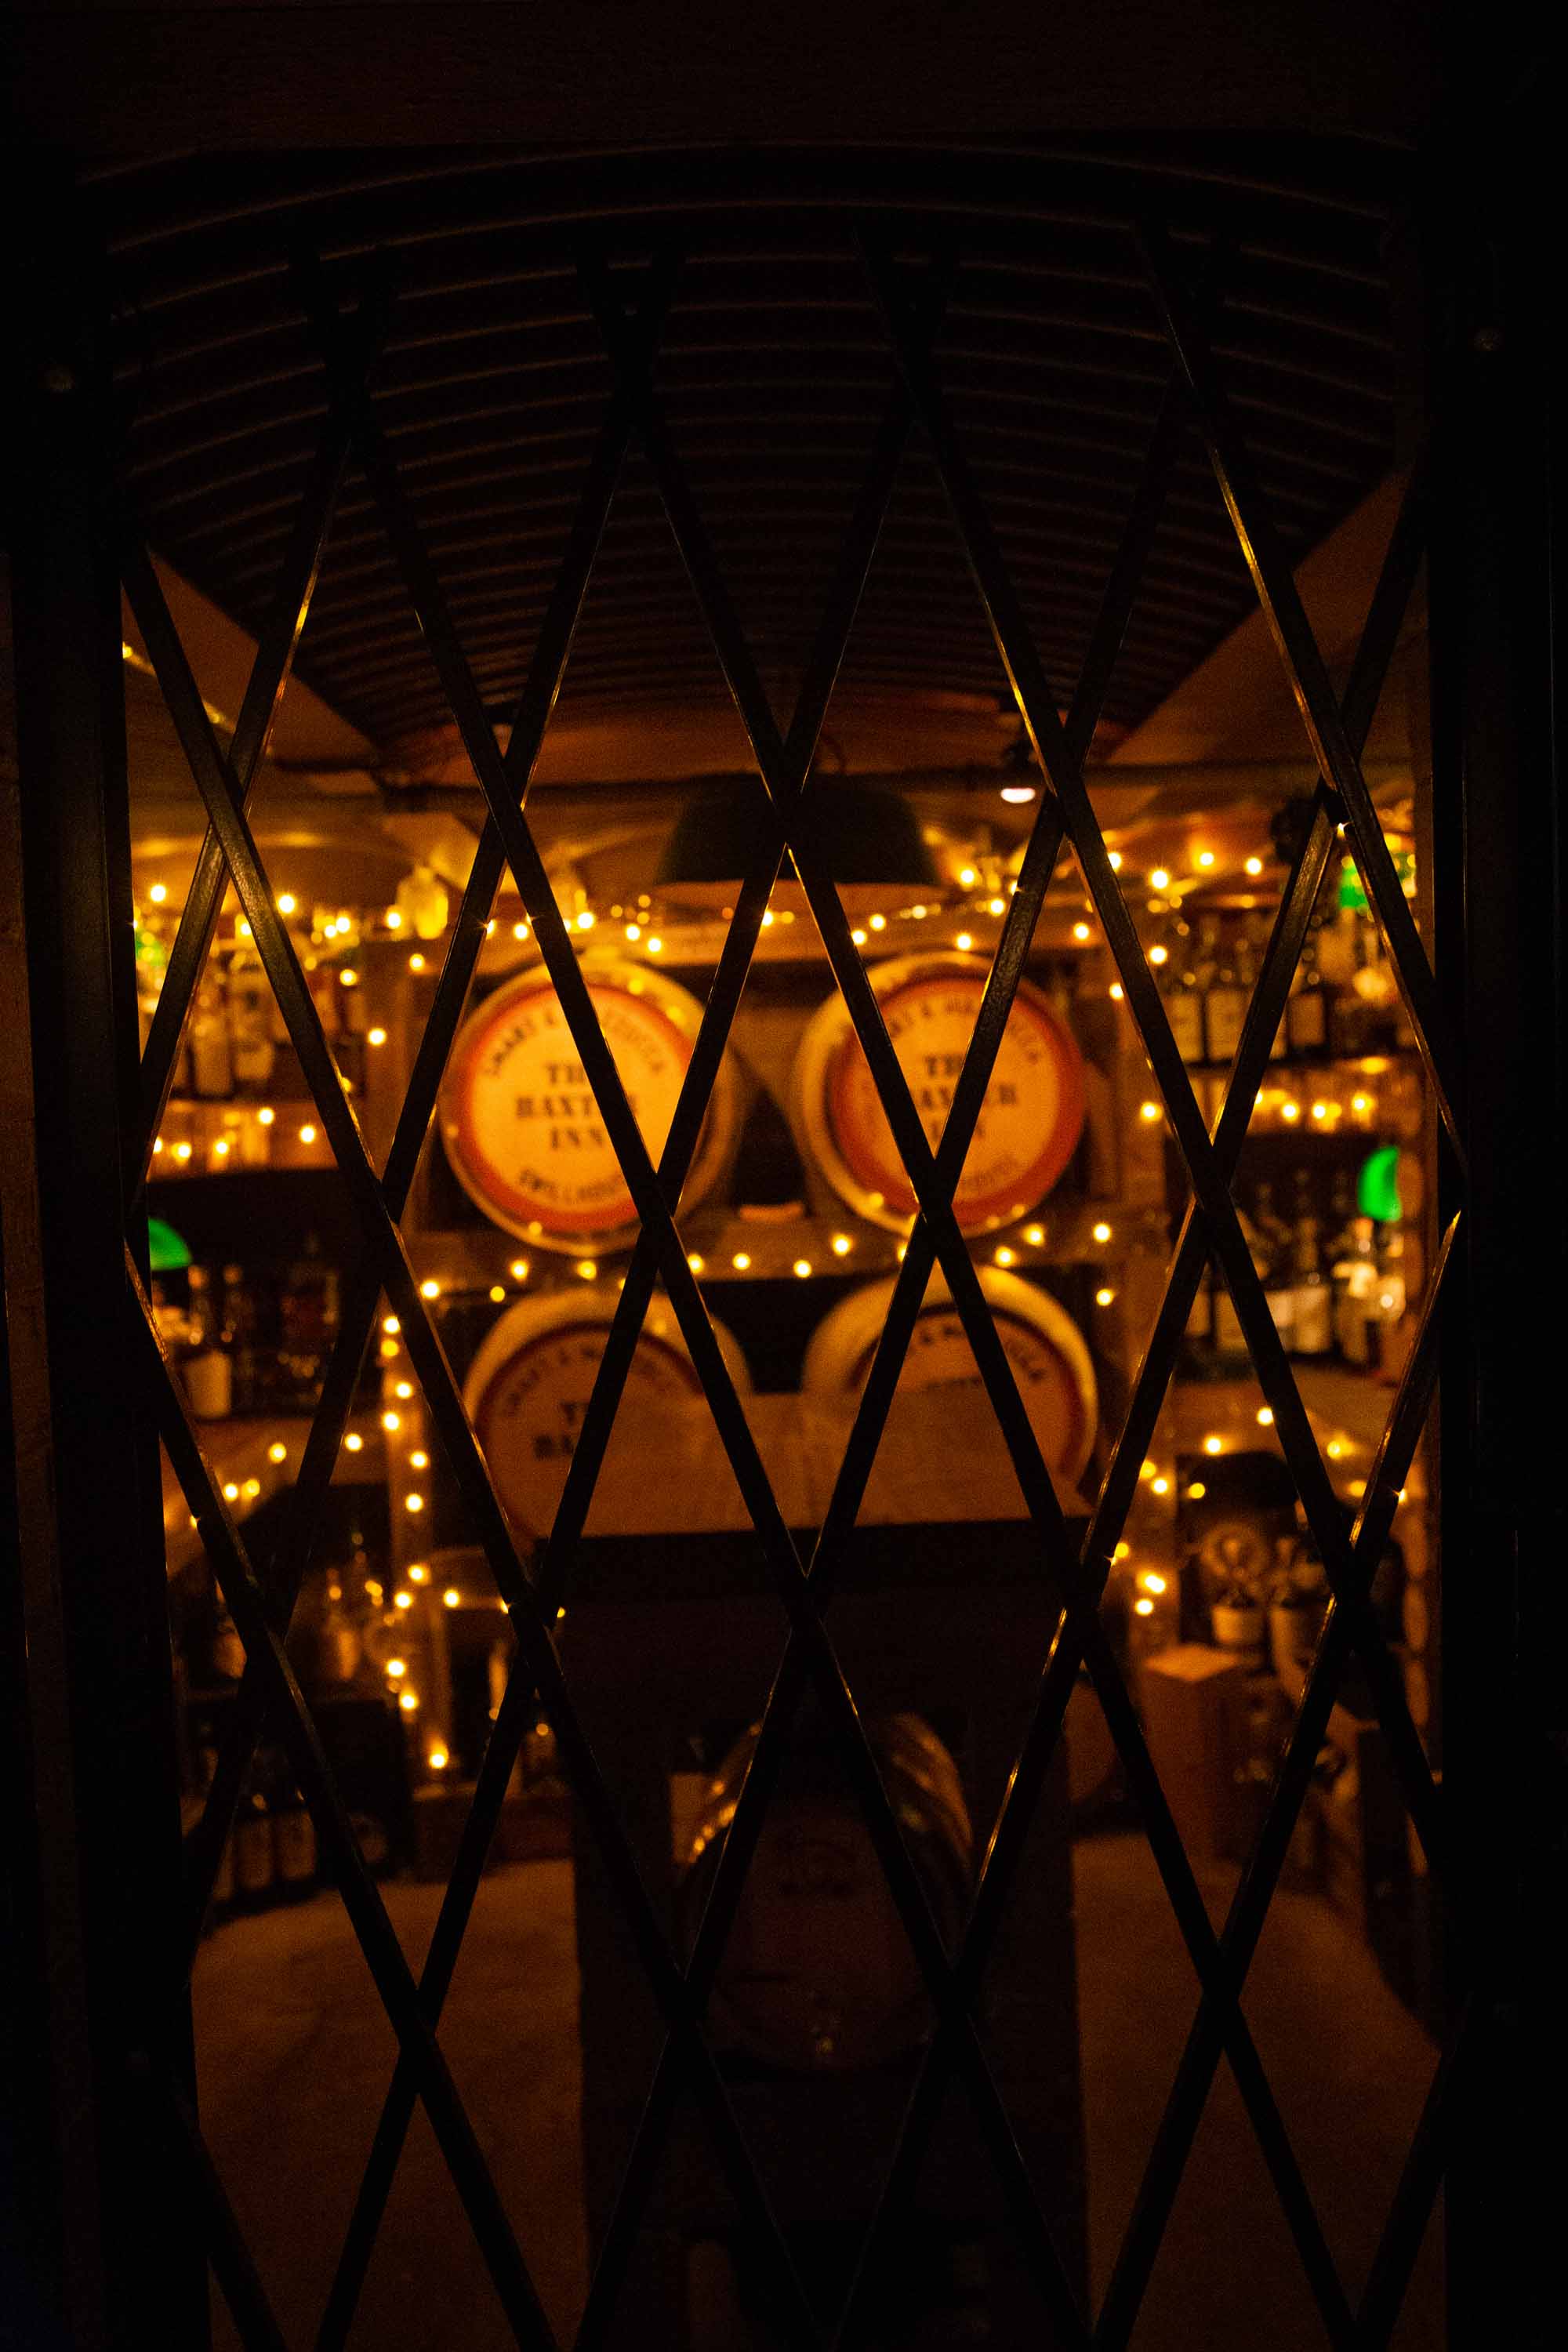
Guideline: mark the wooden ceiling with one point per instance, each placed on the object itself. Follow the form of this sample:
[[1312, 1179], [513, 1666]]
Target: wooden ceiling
[[773, 372]]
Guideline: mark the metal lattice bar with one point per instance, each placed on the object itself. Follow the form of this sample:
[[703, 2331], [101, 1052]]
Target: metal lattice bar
[[264, 690], [290, 1556], [1023, 1790], [1309, 679], [1239, 1936], [429, 1358], [788, 822], [1123, 1719], [234, 2267], [1013, 638], [1418, 2182], [897, 1102], [631, 1308], [1275, 1375], [377, 1939], [1267, 2123]]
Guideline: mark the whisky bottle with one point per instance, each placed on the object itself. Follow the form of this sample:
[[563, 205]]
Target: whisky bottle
[[212, 1065], [1306, 1008], [1225, 1006], [1275, 1259], [1181, 988], [251, 1045], [208, 1368], [1313, 1310]]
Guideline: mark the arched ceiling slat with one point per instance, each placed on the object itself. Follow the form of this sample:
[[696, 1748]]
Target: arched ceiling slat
[[775, 371]]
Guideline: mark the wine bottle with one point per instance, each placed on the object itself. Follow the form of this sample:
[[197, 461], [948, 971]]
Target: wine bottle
[[1355, 1277], [1180, 987], [1231, 1341], [1224, 1007], [1313, 1311], [309, 1319], [1306, 1008], [212, 1066], [251, 1046], [239, 1336], [1276, 1244], [207, 1368]]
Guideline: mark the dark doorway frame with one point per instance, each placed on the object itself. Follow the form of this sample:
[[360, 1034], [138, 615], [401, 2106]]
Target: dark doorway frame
[[101, 2073]]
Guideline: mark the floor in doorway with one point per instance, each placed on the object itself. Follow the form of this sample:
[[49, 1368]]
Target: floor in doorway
[[295, 2058]]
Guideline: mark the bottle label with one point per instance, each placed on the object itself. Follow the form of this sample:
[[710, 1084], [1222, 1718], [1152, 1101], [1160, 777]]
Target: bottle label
[[1186, 1009], [1282, 1307], [1222, 1017], [209, 1385], [1314, 1334], [1305, 1024]]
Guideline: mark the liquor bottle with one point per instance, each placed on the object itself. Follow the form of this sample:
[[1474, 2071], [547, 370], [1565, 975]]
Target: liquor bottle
[[325, 996], [1255, 931], [293, 1840], [212, 1066], [1225, 1006], [207, 1368], [1276, 1261], [255, 1864], [1338, 960], [251, 1047], [152, 962], [1391, 1297], [238, 1326], [1313, 1320], [1182, 990], [354, 1012], [308, 1321], [1230, 1342], [1198, 1339], [1307, 1007], [1339, 1251], [1355, 1277]]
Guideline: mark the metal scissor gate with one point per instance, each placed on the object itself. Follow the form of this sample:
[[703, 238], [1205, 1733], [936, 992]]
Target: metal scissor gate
[[1482, 1007]]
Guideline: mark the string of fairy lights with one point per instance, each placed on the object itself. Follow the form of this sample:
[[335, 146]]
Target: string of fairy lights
[[214, 1137], [205, 1136]]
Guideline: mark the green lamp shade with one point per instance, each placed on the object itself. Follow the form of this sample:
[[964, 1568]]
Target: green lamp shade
[[1377, 1186], [166, 1253]]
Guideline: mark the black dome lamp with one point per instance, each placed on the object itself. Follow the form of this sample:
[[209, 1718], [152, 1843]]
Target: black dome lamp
[[870, 839]]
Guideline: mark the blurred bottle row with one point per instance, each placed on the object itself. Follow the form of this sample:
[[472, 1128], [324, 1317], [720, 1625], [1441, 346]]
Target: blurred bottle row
[[251, 1339], [1336, 1283], [1344, 1001], [235, 1042]]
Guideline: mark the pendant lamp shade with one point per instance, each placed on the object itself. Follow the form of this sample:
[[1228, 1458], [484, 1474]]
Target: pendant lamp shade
[[869, 839]]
